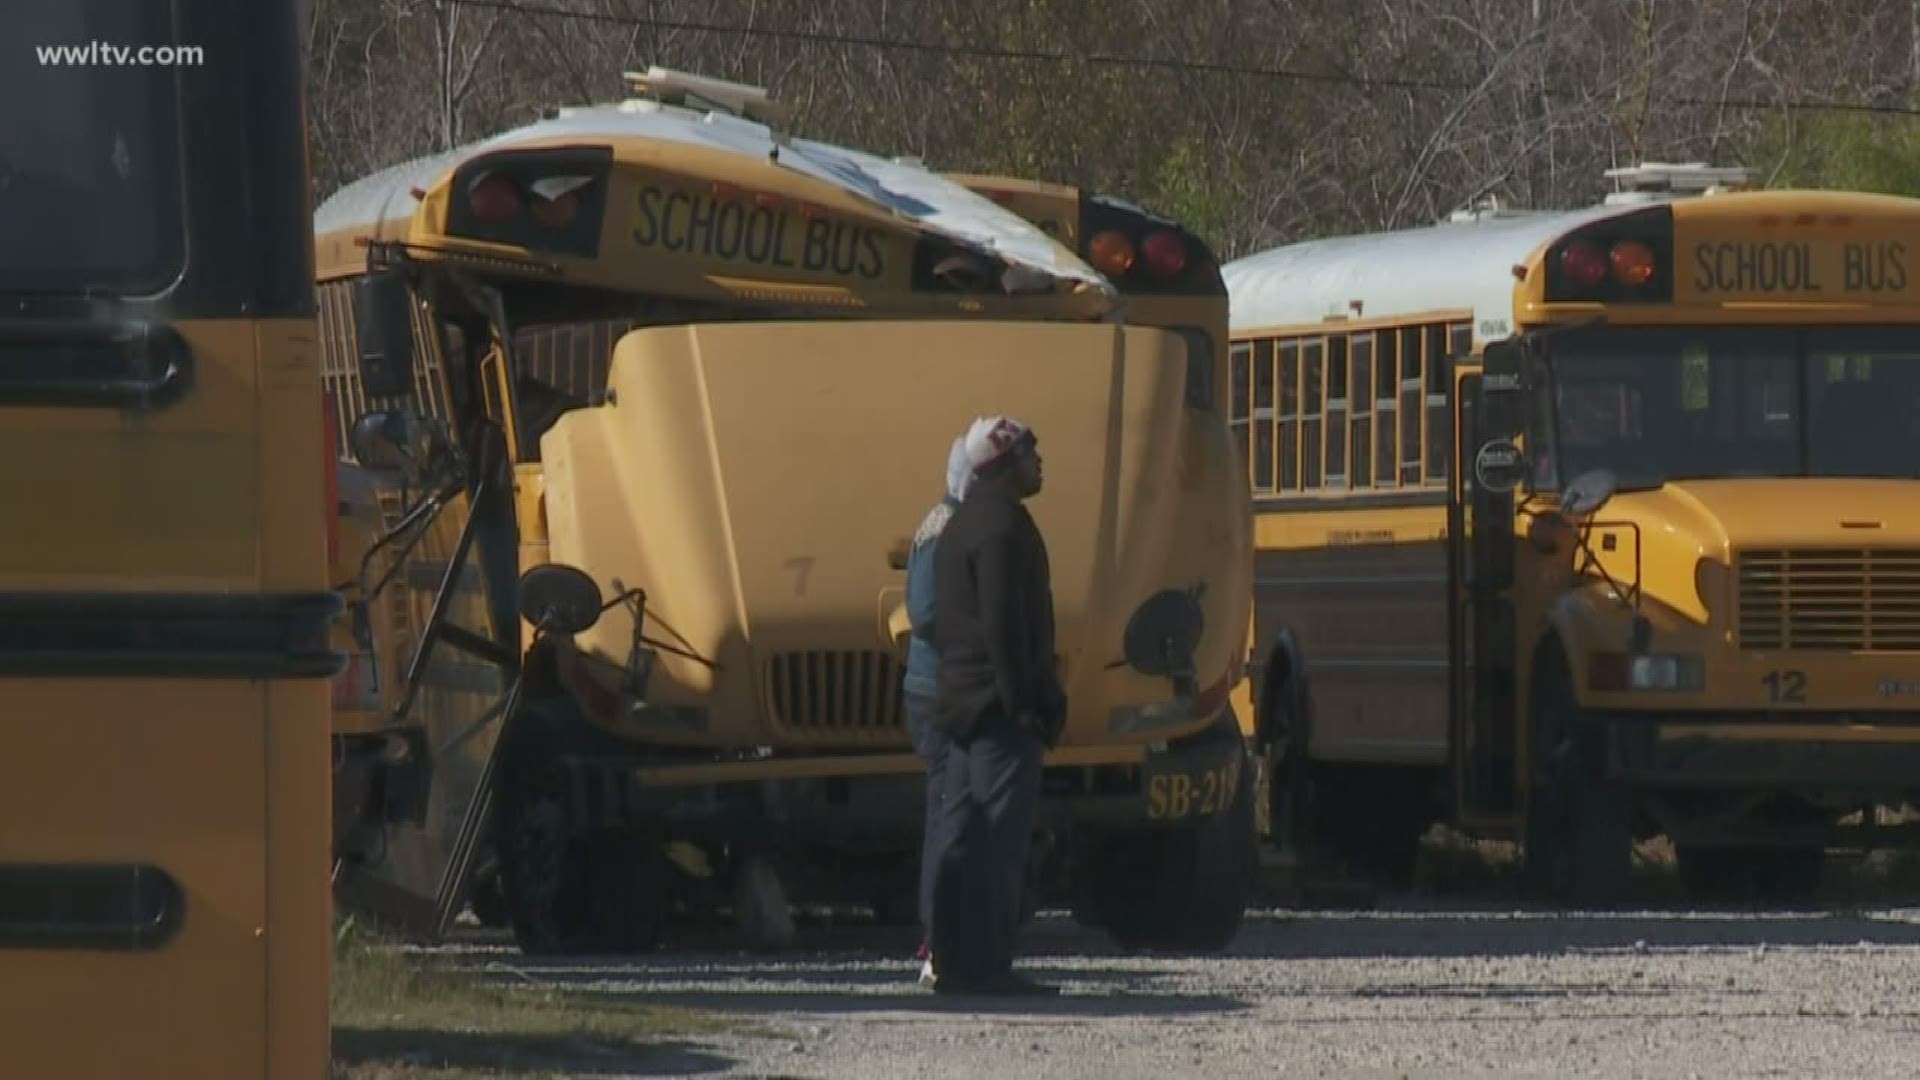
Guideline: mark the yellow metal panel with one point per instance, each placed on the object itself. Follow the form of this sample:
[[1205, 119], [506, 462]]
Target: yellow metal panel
[[167, 499], [299, 893], [166, 773]]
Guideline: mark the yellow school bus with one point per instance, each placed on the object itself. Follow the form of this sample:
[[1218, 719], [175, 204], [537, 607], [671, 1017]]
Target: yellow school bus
[[642, 404], [1146, 256], [164, 613], [1581, 527]]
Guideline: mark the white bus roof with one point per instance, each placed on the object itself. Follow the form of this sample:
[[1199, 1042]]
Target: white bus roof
[[924, 199], [1455, 265]]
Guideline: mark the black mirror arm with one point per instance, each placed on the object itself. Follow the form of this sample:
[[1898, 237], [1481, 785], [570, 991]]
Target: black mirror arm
[[437, 618]]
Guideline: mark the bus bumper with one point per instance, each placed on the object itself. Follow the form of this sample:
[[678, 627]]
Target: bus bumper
[[1883, 756], [1176, 784]]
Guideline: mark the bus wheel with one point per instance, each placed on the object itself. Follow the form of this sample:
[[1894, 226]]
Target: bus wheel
[[1288, 783], [1184, 890], [1365, 821], [572, 887], [1751, 873], [486, 898], [1579, 826]]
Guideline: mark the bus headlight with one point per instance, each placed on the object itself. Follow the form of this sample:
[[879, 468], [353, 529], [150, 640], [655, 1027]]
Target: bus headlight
[[1676, 672]]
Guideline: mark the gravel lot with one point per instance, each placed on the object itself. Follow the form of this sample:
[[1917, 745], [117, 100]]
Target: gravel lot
[[1484, 991]]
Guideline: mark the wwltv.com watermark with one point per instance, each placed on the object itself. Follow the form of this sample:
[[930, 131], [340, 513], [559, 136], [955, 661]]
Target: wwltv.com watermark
[[103, 54]]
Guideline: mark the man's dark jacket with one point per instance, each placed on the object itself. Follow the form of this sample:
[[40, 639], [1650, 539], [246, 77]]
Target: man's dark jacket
[[994, 633]]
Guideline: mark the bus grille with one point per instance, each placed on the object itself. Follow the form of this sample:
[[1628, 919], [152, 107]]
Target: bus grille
[[1850, 599], [840, 692]]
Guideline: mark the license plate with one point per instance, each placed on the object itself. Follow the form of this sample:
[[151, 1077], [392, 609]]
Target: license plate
[[1185, 793]]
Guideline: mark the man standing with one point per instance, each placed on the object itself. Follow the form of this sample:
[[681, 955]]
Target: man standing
[[1000, 703], [921, 685]]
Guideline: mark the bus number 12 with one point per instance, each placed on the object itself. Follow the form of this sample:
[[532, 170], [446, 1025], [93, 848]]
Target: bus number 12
[[1786, 687]]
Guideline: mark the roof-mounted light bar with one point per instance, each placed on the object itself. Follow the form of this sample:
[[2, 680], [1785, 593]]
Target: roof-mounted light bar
[[701, 92], [1659, 180]]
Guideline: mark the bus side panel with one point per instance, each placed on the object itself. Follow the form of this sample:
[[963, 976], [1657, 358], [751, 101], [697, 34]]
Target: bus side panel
[[160, 500], [293, 509], [1364, 591], [299, 895], [182, 790]]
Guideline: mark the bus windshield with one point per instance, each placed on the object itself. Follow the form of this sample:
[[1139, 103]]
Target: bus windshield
[[1653, 405], [86, 155]]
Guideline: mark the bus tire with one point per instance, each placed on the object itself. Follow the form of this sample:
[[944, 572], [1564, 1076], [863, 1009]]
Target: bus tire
[[486, 898], [1288, 779], [1751, 873], [1184, 890], [1363, 821], [571, 886], [1579, 826]]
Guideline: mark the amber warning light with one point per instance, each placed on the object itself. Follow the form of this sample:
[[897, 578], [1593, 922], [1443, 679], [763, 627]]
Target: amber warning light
[[1629, 262]]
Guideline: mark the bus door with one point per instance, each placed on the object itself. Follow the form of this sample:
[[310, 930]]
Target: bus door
[[164, 611], [1490, 465], [447, 646]]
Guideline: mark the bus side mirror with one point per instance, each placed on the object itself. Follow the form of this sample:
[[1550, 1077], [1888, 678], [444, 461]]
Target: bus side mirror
[[398, 440], [559, 598], [383, 325], [386, 439]]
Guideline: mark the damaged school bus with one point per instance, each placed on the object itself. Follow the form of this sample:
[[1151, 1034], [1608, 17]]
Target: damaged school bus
[[641, 406]]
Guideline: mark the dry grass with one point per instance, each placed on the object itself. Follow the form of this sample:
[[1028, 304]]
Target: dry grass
[[401, 1016]]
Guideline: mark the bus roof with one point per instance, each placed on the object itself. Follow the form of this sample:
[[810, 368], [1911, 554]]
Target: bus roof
[[381, 205], [1459, 265]]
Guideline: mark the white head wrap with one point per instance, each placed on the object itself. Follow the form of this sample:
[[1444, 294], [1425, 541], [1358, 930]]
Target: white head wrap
[[990, 438], [959, 470]]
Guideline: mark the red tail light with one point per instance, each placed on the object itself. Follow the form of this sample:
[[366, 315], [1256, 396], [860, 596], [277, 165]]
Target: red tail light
[[494, 199], [1110, 252], [1633, 262], [1584, 264], [1164, 253]]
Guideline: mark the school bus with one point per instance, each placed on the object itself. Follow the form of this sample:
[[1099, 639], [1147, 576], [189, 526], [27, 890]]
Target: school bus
[[1144, 255], [1581, 527], [164, 613], [639, 407]]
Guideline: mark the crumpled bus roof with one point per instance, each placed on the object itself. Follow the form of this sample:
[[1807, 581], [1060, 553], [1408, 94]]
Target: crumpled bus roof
[[924, 199], [1455, 265]]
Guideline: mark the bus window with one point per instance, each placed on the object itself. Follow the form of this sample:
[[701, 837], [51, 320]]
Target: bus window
[[1659, 405], [1360, 467], [1337, 398], [1240, 385], [1411, 410], [1263, 377], [1386, 410], [1312, 410], [1439, 424], [1290, 417], [88, 192], [1862, 393]]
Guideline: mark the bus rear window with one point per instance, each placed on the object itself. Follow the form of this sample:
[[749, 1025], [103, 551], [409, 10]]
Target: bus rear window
[[89, 147]]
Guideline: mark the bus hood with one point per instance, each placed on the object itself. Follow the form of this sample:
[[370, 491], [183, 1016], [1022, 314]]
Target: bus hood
[[1680, 540], [761, 481], [1723, 516]]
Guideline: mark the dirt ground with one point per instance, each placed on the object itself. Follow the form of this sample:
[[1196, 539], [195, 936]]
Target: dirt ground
[[1481, 990]]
